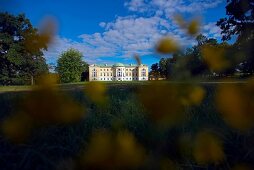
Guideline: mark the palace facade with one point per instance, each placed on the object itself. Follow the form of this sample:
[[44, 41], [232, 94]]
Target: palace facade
[[118, 72]]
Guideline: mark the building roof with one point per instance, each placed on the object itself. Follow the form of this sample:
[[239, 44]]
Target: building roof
[[118, 65]]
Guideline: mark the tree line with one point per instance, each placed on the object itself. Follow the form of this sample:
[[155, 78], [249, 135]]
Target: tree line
[[224, 59], [21, 54]]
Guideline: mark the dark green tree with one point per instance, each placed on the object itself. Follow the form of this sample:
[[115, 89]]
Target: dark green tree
[[155, 71], [21, 56], [240, 22], [70, 66]]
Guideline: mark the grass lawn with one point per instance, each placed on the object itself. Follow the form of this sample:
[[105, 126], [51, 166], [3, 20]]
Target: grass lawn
[[70, 86], [14, 88], [59, 145]]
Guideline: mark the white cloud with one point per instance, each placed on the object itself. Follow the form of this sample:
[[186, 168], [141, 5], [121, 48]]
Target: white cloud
[[129, 35], [171, 7], [211, 30]]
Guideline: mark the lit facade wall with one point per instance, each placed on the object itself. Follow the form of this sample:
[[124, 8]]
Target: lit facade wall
[[118, 72]]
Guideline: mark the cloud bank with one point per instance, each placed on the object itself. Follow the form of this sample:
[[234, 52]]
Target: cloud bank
[[136, 33]]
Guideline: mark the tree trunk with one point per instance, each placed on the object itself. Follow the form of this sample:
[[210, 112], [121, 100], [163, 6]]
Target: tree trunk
[[32, 80]]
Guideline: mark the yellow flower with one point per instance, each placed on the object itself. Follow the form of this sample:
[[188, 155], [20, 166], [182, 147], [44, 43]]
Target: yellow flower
[[193, 27], [215, 58], [17, 127], [167, 45], [109, 151], [236, 104], [208, 149], [194, 96], [97, 92], [162, 103]]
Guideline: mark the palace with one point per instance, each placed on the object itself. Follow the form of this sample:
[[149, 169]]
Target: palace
[[118, 72]]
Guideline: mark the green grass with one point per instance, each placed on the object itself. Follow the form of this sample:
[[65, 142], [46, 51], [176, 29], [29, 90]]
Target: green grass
[[14, 88], [67, 86], [50, 145]]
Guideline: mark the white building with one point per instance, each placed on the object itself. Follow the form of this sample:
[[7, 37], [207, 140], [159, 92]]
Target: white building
[[118, 72]]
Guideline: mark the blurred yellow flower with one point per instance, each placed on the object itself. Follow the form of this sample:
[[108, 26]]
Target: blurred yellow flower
[[208, 149], [194, 96], [47, 30], [51, 106], [97, 92], [215, 58], [162, 103], [167, 45], [236, 104], [109, 151], [194, 27], [17, 127]]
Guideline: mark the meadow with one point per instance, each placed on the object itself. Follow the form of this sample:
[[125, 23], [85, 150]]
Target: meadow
[[122, 133]]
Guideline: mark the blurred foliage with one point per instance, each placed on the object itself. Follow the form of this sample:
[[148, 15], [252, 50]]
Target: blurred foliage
[[236, 104], [151, 126], [111, 151], [165, 102], [44, 105]]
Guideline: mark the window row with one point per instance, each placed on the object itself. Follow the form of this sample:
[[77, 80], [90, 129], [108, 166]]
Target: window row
[[120, 78]]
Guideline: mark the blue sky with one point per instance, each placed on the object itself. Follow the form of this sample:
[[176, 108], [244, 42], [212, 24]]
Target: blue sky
[[109, 31]]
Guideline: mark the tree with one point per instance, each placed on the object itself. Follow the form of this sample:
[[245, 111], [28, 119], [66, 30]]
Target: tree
[[21, 56], [155, 72], [70, 66], [240, 22]]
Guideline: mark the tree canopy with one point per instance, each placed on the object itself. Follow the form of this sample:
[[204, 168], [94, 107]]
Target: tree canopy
[[70, 66], [240, 22], [21, 50]]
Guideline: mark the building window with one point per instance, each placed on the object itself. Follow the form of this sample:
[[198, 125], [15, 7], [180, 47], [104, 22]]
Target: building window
[[94, 73], [143, 73], [104, 74]]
